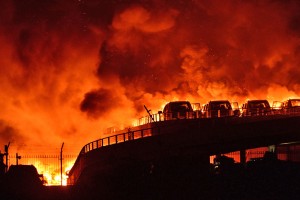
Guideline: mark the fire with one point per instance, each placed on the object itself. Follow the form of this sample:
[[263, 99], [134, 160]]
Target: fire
[[71, 69], [51, 174]]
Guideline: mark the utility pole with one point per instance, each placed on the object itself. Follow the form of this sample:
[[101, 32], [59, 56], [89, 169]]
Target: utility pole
[[61, 150], [6, 154]]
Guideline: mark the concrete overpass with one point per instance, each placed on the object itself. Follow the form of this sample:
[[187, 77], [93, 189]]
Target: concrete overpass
[[184, 143]]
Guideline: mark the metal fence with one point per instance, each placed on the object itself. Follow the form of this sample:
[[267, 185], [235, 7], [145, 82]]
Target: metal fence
[[196, 114], [47, 165], [136, 134], [119, 138]]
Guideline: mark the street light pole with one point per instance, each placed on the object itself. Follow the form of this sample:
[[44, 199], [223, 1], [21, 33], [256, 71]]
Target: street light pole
[[62, 146], [6, 154]]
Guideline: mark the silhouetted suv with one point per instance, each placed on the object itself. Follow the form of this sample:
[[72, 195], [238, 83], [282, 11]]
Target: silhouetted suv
[[256, 108], [291, 106], [178, 110], [221, 108]]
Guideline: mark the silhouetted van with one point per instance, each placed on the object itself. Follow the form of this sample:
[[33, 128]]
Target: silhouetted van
[[291, 106], [178, 110], [220, 108], [256, 108]]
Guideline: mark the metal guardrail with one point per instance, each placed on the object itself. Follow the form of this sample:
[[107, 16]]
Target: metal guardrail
[[119, 138], [273, 111], [114, 139], [197, 114], [136, 134], [167, 116]]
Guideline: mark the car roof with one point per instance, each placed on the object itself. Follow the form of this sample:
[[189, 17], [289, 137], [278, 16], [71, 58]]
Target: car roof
[[22, 169], [219, 101], [261, 100], [174, 102]]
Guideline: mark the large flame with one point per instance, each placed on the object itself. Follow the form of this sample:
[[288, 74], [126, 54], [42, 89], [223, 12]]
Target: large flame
[[70, 69]]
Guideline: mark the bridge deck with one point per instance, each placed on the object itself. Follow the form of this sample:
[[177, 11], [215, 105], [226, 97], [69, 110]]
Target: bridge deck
[[197, 138]]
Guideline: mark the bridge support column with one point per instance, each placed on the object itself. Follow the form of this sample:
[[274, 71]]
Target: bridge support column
[[243, 156]]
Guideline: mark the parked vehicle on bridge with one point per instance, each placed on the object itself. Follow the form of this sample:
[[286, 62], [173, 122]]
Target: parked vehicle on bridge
[[219, 108], [256, 108], [178, 110], [291, 106]]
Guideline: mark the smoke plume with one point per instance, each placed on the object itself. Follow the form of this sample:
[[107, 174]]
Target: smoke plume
[[70, 69]]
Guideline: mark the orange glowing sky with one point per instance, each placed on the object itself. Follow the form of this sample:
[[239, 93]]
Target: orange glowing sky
[[71, 69]]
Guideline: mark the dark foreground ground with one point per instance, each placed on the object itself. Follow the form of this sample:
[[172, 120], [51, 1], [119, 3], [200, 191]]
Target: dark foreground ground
[[258, 180]]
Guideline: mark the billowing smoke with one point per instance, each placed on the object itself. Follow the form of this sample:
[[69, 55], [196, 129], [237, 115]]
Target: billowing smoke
[[70, 69], [8, 133], [202, 50]]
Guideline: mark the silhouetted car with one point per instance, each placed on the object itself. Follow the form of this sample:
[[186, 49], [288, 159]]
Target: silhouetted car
[[178, 110], [291, 106], [256, 108], [223, 164], [23, 176], [221, 108], [22, 182]]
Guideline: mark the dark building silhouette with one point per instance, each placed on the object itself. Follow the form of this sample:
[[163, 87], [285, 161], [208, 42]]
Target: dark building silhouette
[[2, 165]]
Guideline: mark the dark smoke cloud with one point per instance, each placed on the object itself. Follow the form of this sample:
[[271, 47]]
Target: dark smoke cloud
[[203, 49], [9, 133], [99, 102]]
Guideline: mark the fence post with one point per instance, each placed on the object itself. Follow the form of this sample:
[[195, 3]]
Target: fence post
[[61, 163]]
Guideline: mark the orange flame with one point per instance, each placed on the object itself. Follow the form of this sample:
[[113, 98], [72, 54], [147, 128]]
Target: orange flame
[[70, 69]]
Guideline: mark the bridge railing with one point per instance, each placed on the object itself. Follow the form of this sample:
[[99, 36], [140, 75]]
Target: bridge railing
[[291, 111], [157, 117], [199, 114], [119, 138], [110, 140], [142, 133], [272, 111]]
